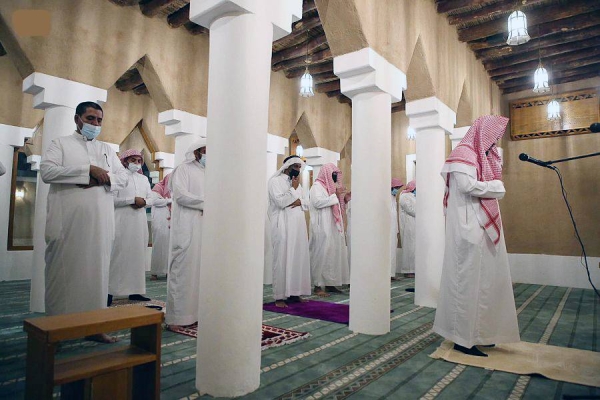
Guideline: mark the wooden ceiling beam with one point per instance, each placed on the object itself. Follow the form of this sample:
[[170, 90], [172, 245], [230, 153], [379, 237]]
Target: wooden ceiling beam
[[179, 17], [574, 78], [152, 8], [313, 69], [308, 6], [129, 80], [544, 53], [311, 46], [324, 77], [528, 80], [142, 89], [576, 59], [551, 28], [540, 16], [344, 99], [195, 29], [399, 106], [299, 33], [328, 87], [455, 5], [534, 44], [492, 11], [300, 62]]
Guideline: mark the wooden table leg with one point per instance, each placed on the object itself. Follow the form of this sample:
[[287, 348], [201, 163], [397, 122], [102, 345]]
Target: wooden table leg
[[39, 370], [146, 378]]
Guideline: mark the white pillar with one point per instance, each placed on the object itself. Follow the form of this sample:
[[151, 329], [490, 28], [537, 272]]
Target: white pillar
[[316, 157], [373, 84], [232, 262], [166, 161], [11, 137], [58, 97], [432, 120], [458, 134], [185, 127], [276, 145]]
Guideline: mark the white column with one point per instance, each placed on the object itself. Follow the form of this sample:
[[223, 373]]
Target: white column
[[276, 145], [58, 97], [373, 84], [232, 263], [185, 127], [166, 161], [458, 134], [11, 137], [432, 120], [316, 157]]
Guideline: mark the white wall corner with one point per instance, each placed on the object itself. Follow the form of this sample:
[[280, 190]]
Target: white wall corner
[[165, 160], [35, 161], [51, 91], [177, 122], [14, 135], [366, 71], [276, 144], [281, 13], [114, 146], [430, 112], [317, 156]]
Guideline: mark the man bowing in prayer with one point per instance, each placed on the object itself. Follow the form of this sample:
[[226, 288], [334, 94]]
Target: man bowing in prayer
[[291, 260], [396, 185], [187, 188], [476, 305], [408, 210], [161, 221], [128, 261], [80, 224], [328, 253]]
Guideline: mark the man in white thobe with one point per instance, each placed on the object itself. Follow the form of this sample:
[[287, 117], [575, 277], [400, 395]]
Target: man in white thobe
[[289, 238], [408, 211], [328, 254], [161, 221], [80, 224], [129, 254], [394, 229], [187, 188], [476, 305]]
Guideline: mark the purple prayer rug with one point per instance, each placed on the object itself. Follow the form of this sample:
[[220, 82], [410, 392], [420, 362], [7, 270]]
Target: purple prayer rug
[[323, 310], [272, 336]]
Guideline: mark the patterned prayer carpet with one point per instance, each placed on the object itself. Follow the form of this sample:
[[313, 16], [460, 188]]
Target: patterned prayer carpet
[[336, 363], [323, 310], [271, 335]]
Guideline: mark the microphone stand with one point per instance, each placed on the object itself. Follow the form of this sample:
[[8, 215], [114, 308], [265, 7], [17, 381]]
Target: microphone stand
[[572, 158]]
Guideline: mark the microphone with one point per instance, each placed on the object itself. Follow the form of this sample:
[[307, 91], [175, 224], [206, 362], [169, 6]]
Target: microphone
[[595, 127], [525, 157]]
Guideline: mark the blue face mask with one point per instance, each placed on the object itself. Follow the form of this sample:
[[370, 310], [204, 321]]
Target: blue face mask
[[90, 132], [203, 160], [395, 192]]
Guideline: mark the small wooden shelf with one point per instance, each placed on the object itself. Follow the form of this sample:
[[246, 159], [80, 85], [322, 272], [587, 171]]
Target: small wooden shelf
[[88, 365]]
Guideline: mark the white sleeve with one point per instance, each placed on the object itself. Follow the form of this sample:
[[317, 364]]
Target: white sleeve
[[182, 196], [157, 200], [408, 203], [281, 198], [320, 199], [117, 173], [53, 171], [471, 186]]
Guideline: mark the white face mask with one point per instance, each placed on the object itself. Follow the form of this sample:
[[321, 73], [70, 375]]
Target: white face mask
[[134, 167], [203, 160], [90, 132]]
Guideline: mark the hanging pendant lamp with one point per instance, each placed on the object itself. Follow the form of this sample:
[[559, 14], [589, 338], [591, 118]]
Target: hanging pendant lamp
[[411, 134], [306, 82], [540, 78], [553, 110], [517, 29]]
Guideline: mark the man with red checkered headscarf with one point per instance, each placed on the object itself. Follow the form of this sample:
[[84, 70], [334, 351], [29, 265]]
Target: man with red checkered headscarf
[[328, 254], [127, 275], [476, 306]]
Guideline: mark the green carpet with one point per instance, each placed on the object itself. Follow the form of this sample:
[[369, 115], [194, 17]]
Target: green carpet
[[335, 363]]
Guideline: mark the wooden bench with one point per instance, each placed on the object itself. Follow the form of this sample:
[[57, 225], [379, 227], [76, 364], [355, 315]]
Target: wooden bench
[[118, 372]]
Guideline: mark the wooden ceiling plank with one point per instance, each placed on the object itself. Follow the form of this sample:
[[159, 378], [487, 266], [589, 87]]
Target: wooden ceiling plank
[[195, 29], [454, 5], [563, 62], [313, 69], [313, 45], [492, 11], [528, 80], [300, 62], [544, 53], [152, 8], [540, 16], [129, 80], [179, 17], [557, 82], [534, 44]]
